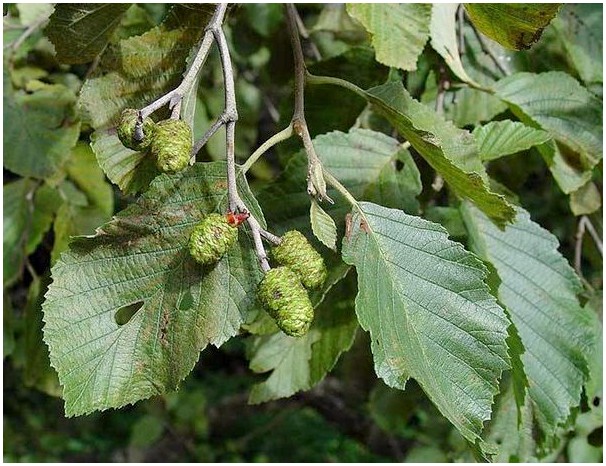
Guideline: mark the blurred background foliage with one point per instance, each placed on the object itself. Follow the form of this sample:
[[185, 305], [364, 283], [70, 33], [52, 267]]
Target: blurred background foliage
[[351, 416]]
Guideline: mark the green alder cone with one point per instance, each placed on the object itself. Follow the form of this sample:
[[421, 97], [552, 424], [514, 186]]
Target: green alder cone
[[295, 252], [211, 238], [172, 145], [285, 300], [126, 130]]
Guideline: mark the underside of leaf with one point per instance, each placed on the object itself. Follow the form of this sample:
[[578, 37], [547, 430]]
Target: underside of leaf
[[141, 258], [430, 315]]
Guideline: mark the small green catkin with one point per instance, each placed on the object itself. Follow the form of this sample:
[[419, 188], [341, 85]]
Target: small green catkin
[[126, 130], [211, 238], [295, 252], [286, 301], [172, 145]]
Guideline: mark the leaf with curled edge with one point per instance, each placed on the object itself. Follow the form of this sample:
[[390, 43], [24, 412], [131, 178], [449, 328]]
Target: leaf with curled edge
[[450, 151]]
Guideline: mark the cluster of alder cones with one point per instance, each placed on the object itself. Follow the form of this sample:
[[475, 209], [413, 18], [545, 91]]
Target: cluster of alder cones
[[283, 291]]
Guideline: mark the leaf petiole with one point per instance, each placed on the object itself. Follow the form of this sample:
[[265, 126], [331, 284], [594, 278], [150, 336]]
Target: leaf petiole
[[272, 141]]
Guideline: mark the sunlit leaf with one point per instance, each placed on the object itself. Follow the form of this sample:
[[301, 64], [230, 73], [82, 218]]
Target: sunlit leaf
[[513, 25], [399, 31]]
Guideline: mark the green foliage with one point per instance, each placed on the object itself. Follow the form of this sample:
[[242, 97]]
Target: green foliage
[[450, 151], [181, 308], [539, 289], [423, 299], [393, 24], [80, 32], [515, 26], [43, 125], [439, 131], [579, 26], [500, 138], [323, 226], [558, 104]]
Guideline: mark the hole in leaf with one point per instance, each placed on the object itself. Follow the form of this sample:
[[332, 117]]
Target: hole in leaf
[[595, 438], [399, 165], [126, 313], [596, 401], [187, 301]]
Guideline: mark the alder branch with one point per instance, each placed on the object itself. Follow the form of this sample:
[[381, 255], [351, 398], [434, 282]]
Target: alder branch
[[174, 97], [584, 225], [316, 185], [39, 23], [305, 34], [461, 25], [487, 50], [230, 116]]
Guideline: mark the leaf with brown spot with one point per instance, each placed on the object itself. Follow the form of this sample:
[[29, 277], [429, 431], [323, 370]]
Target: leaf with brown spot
[[142, 256]]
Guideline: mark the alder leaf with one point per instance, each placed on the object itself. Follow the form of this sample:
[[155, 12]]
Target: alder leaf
[[371, 165], [452, 152], [558, 104], [139, 262], [500, 138], [444, 37], [539, 290], [140, 69], [132, 171], [513, 25], [81, 31], [585, 200], [580, 27], [323, 226], [399, 31], [40, 128], [430, 315]]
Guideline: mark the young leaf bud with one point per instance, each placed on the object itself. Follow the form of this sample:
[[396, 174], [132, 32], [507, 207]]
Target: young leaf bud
[[172, 145], [295, 252], [284, 298], [126, 130], [211, 238]]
